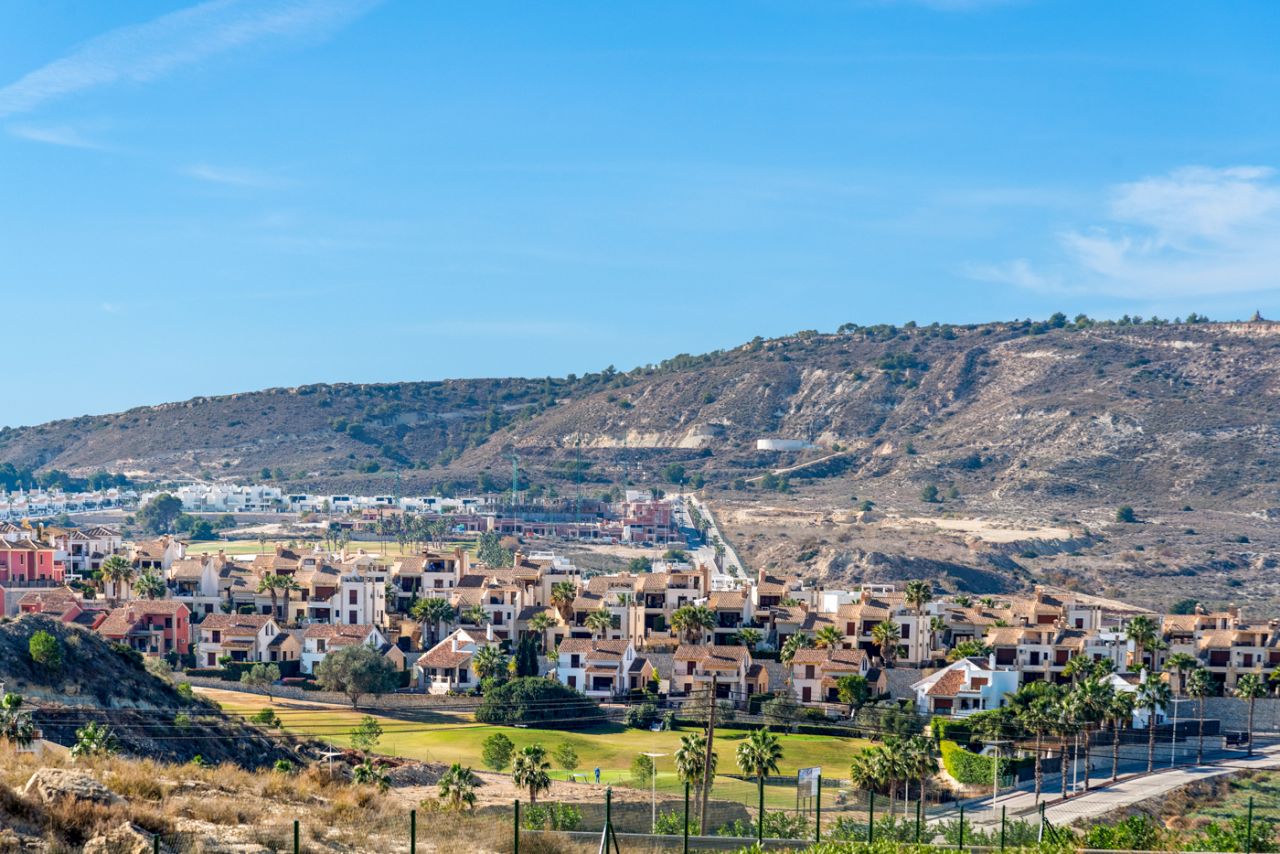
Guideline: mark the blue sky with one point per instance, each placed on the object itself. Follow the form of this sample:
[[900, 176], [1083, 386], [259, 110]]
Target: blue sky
[[201, 199]]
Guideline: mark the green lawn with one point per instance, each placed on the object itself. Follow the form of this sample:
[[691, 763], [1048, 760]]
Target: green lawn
[[611, 747]]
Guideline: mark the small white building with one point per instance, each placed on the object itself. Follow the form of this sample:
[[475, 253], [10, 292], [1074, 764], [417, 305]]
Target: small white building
[[446, 667], [964, 687], [319, 641]]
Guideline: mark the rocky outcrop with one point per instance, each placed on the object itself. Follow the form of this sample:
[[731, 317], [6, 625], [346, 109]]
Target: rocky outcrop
[[128, 838], [50, 785]]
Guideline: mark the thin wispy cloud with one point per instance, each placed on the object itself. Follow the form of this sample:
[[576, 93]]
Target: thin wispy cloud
[[143, 52], [231, 176], [63, 135], [1195, 231]]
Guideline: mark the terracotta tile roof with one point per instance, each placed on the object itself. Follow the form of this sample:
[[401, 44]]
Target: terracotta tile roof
[[443, 655], [949, 685], [713, 656], [731, 600], [835, 659], [339, 632], [593, 647], [233, 622]]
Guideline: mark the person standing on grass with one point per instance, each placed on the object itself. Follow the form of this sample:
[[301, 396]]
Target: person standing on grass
[[597, 776]]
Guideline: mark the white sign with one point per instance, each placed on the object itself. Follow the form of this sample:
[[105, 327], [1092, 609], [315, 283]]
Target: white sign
[[807, 781]]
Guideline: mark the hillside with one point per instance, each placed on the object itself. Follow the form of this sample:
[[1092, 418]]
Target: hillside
[[147, 714], [1025, 424]]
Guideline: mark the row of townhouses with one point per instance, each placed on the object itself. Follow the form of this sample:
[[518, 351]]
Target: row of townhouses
[[607, 635]]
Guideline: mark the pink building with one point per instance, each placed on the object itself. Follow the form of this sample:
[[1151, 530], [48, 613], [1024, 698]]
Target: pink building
[[24, 562]]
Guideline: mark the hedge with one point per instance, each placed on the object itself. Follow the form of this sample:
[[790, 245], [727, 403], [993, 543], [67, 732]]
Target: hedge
[[972, 769]]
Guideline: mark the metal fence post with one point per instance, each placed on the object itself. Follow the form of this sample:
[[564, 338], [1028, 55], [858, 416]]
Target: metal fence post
[[155, 844], [413, 832], [817, 823], [297, 847], [1002, 826], [515, 829], [760, 814], [960, 842], [871, 816], [1248, 829], [686, 817]]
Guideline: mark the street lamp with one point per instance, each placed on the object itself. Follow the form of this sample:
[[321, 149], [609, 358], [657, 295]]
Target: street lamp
[[653, 776], [1173, 736], [995, 744]]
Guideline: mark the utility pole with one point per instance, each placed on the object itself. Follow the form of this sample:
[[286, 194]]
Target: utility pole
[[706, 759]]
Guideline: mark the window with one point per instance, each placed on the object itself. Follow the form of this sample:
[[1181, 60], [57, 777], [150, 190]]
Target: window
[[808, 671], [353, 597]]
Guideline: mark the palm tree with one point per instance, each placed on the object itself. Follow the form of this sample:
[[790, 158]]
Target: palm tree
[[758, 757], [1182, 663], [1119, 715], [692, 620], [1248, 687], [475, 615], [1036, 718], [562, 595], [1064, 726], [691, 768], [1077, 666], [1153, 696], [432, 612], [867, 771], [458, 787], [529, 771], [1091, 699], [15, 724], [792, 645], [887, 635], [149, 585], [1144, 633], [828, 637], [917, 595], [368, 774], [892, 766], [541, 622], [270, 583], [488, 661], [119, 571], [749, 638], [599, 621], [287, 584], [937, 626], [1199, 685], [921, 761]]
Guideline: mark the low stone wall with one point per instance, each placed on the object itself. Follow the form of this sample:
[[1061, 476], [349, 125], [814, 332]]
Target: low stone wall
[[381, 701]]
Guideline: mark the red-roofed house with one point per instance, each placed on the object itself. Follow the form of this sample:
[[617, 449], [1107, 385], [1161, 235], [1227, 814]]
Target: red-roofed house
[[152, 627]]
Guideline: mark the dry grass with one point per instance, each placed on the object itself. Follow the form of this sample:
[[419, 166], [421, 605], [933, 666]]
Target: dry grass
[[256, 806]]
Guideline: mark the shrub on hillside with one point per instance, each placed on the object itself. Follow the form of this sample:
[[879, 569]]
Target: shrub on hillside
[[534, 700], [45, 651]]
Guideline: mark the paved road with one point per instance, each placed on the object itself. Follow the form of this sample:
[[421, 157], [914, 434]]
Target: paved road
[[1128, 791], [707, 553]]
